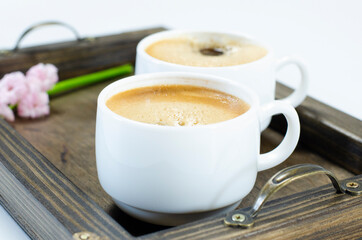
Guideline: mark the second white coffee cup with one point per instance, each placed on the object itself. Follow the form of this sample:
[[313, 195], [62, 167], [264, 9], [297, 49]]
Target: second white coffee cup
[[259, 75]]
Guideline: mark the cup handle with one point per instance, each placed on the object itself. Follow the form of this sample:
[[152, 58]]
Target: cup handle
[[288, 144], [300, 92]]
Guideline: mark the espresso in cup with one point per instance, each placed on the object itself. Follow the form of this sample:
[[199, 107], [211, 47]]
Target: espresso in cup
[[177, 105], [218, 51]]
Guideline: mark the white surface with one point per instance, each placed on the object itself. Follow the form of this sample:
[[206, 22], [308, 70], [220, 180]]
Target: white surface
[[326, 33], [9, 229]]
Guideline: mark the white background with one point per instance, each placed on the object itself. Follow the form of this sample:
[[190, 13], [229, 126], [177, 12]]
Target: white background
[[326, 34]]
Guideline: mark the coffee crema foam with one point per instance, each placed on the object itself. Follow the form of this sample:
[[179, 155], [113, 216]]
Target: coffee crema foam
[[176, 105], [203, 52]]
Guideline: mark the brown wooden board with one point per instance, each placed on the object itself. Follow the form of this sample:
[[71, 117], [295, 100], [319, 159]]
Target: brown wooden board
[[75, 58], [331, 133], [49, 164]]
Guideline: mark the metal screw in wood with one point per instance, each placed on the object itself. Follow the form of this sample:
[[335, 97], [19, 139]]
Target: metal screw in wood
[[238, 217], [84, 236], [352, 185], [88, 236]]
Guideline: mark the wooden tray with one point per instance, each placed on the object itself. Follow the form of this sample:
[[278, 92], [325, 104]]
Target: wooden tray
[[49, 181]]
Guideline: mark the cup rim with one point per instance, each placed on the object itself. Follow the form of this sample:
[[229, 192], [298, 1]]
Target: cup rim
[[145, 42], [253, 102]]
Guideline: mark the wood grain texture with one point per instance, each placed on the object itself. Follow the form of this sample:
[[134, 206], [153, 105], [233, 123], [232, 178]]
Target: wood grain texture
[[319, 213], [78, 58], [20, 203], [326, 131], [62, 199]]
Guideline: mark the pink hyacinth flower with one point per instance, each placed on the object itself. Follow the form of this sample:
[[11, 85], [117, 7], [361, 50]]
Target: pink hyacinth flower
[[34, 104], [12, 88], [42, 76], [6, 112]]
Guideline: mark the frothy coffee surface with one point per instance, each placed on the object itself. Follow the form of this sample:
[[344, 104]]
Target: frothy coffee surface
[[176, 105], [202, 52]]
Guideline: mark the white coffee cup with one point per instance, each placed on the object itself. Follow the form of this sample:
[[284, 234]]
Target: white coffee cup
[[171, 175], [259, 75]]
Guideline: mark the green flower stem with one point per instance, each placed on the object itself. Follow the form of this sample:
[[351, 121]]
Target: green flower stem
[[85, 80]]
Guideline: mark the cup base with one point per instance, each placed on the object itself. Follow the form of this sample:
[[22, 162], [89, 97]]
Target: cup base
[[171, 219]]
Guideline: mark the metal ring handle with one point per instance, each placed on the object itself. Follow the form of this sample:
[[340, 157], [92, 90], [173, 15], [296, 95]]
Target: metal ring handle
[[52, 23], [245, 218]]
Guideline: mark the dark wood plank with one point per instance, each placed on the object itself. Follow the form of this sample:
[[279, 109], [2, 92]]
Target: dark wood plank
[[327, 131], [25, 208], [77, 58], [62, 199], [318, 213]]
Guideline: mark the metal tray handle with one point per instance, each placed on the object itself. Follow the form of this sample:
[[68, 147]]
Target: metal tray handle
[[43, 24], [245, 218], [39, 25]]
